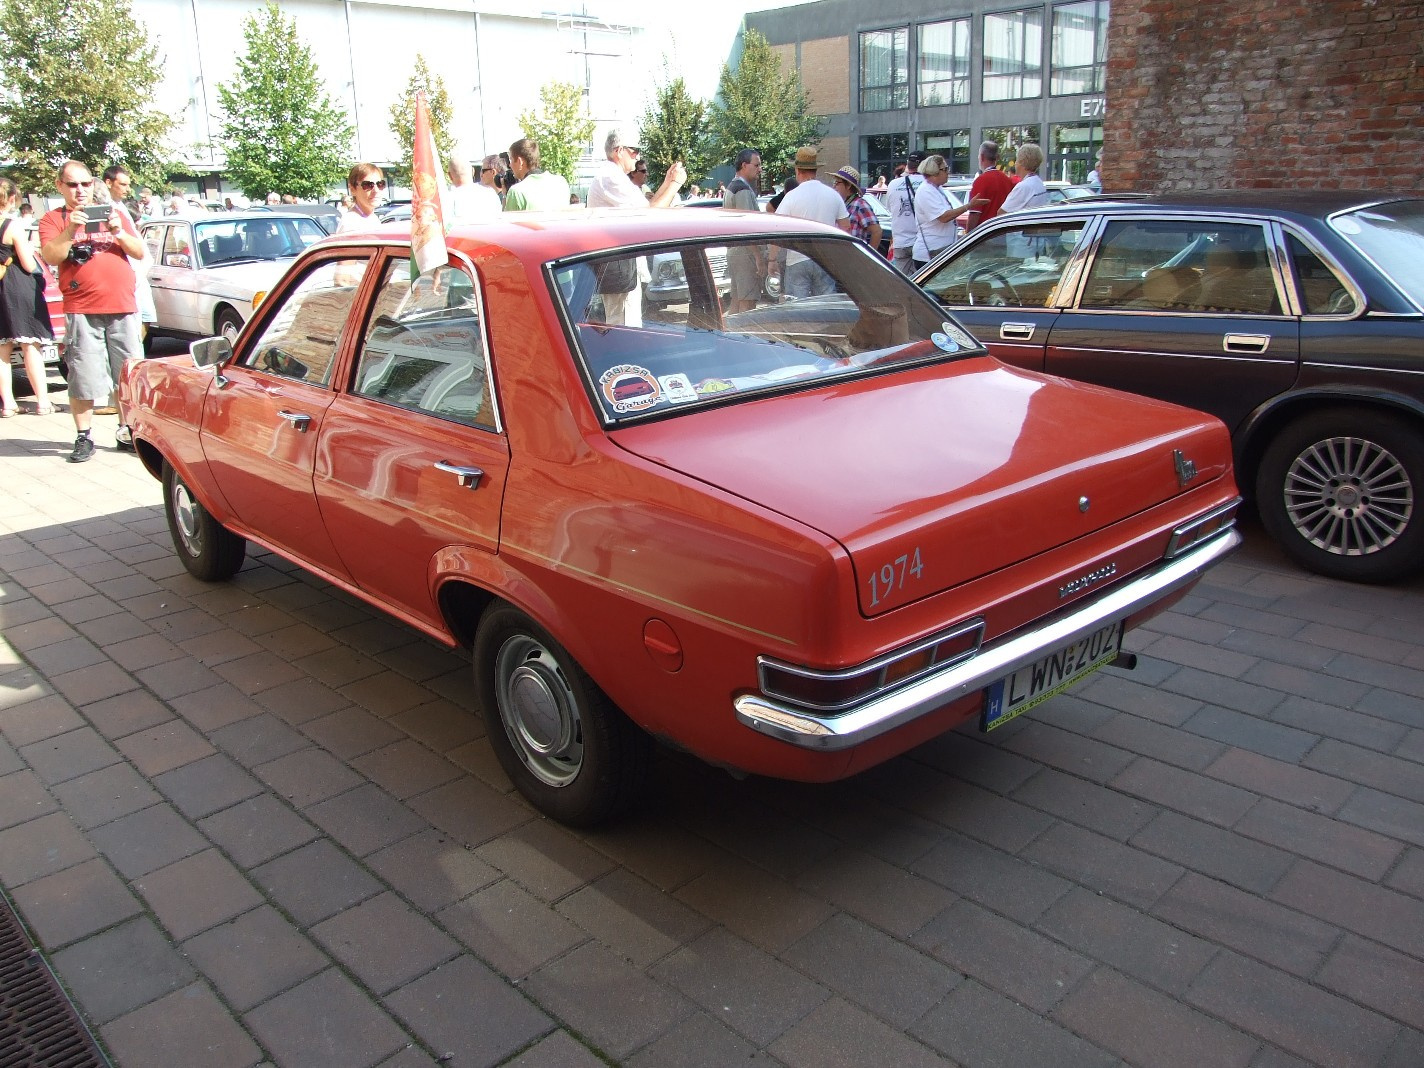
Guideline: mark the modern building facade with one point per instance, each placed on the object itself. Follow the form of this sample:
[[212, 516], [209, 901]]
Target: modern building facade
[[899, 75]]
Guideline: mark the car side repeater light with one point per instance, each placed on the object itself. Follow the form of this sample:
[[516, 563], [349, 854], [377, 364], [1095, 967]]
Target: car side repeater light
[[258, 298], [1202, 528], [844, 688]]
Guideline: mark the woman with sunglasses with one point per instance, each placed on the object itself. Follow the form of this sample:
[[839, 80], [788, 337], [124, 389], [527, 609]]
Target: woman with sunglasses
[[368, 188]]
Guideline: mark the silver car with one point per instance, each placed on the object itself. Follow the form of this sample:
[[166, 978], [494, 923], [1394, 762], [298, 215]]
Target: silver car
[[209, 272]]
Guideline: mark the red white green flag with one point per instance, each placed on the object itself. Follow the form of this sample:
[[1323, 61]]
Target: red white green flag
[[427, 220]]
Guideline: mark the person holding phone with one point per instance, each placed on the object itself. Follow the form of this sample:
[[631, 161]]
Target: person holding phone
[[91, 247]]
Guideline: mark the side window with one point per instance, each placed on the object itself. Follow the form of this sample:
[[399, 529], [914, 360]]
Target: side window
[[423, 348], [1156, 265], [301, 341], [1322, 292], [178, 246], [153, 238], [1019, 268]]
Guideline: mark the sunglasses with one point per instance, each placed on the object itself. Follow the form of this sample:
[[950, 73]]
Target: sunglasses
[[368, 185], [80, 185]]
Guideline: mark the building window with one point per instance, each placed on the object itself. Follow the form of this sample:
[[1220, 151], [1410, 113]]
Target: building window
[[1013, 54], [1072, 150], [944, 63], [1080, 48], [953, 145], [885, 70], [881, 154]]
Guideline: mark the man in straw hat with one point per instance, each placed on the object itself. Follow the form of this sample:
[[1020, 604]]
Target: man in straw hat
[[817, 201]]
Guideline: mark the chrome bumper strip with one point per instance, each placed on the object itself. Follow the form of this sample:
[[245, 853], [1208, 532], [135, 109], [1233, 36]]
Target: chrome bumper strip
[[880, 714]]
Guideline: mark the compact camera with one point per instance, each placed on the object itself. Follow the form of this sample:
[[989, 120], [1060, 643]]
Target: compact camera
[[81, 254]]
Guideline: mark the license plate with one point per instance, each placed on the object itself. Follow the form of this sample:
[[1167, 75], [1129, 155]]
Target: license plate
[[49, 352], [1032, 685]]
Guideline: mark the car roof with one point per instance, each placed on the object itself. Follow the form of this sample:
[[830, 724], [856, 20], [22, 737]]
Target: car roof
[[229, 216], [1302, 204], [543, 236]]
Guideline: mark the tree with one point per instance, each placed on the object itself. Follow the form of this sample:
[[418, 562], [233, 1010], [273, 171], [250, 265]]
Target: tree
[[437, 101], [674, 127], [63, 94], [283, 133], [759, 107], [562, 127]]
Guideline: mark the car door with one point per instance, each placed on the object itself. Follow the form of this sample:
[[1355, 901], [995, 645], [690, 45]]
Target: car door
[[265, 414], [168, 272], [413, 460], [1188, 309], [1004, 284]]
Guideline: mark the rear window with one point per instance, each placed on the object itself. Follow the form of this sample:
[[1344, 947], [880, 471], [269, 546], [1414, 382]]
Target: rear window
[[1391, 235], [673, 329]]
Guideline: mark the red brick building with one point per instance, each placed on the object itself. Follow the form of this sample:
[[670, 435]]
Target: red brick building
[[1296, 93]]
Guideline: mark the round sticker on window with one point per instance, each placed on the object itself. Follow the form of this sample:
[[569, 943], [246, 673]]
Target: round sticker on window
[[629, 388], [943, 342], [958, 335]]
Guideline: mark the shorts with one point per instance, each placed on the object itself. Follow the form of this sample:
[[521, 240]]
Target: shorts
[[904, 259], [96, 348], [746, 279]]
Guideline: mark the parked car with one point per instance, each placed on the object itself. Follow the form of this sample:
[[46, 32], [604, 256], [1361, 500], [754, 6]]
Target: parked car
[[1059, 192], [1297, 318], [209, 272], [795, 541]]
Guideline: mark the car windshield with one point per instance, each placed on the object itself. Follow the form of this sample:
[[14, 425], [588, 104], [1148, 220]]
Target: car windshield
[[1392, 235], [677, 329], [254, 239]]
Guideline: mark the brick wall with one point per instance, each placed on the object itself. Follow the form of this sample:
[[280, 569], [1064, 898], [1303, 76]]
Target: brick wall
[[1265, 93], [825, 73]]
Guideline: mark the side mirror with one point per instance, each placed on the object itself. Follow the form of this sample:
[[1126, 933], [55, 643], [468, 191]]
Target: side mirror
[[210, 352], [177, 259]]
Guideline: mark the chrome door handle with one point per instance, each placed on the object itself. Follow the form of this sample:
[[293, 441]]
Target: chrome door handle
[[301, 422], [1246, 342], [1016, 331], [469, 477]]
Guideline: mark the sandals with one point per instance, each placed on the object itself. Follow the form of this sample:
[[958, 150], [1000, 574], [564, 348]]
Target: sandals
[[9, 413], [44, 409]]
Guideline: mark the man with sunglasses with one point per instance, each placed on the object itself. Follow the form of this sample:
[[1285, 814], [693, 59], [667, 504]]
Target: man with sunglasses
[[91, 246], [612, 188]]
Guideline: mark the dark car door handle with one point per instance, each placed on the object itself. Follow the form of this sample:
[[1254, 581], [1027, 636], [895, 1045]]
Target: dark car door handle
[[1246, 342], [300, 421], [467, 476], [1016, 331]]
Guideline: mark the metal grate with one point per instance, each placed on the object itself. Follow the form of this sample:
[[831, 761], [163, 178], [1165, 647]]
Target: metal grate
[[38, 1026]]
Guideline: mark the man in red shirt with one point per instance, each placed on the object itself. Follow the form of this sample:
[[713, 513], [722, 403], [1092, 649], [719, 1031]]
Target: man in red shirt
[[992, 184], [91, 246]]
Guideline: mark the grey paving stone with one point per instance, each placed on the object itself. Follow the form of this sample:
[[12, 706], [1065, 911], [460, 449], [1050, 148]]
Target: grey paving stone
[[406, 768], [994, 820], [61, 757], [1329, 841], [1122, 871], [40, 847], [1167, 743], [979, 1028], [75, 903], [208, 785], [1408, 875], [1376, 912], [23, 797], [254, 957], [1214, 851], [189, 1026], [559, 1050], [162, 748], [992, 877], [105, 795], [1393, 816], [432, 870], [880, 893], [547, 860], [699, 1042], [1184, 791], [766, 911], [365, 819], [256, 830], [349, 732], [118, 716], [119, 969], [196, 893], [308, 776], [510, 928], [470, 811], [315, 881], [258, 740], [838, 1035], [384, 942], [215, 707], [1404, 778], [353, 1032], [633, 918], [147, 840], [1379, 977], [1224, 693], [1088, 758], [33, 716]]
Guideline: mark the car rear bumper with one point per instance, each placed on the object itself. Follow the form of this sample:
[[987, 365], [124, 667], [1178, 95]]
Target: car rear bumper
[[844, 730]]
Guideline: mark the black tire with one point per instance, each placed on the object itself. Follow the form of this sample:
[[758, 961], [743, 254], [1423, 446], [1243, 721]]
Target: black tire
[[564, 744], [147, 340], [208, 549], [1340, 490], [228, 324]]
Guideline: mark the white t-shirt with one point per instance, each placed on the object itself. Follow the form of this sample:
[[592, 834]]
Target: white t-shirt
[[1029, 193], [472, 202], [902, 214], [611, 188], [353, 220], [933, 237], [813, 200]]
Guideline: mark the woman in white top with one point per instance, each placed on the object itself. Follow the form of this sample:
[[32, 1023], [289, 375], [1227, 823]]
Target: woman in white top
[[935, 213], [368, 188], [1030, 191]]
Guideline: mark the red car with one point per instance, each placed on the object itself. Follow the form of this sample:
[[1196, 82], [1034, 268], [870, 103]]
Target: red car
[[797, 540]]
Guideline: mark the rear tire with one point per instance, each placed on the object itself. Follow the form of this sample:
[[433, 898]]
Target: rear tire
[[564, 744], [1341, 491], [229, 324], [208, 549]]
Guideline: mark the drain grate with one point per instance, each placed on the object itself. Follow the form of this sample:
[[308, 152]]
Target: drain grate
[[38, 1026]]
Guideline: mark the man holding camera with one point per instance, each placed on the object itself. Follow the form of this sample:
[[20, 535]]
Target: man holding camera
[[91, 247]]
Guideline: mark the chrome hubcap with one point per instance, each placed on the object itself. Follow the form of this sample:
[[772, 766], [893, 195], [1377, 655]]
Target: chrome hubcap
[[185, 511], [539, 710], [1349, 496]]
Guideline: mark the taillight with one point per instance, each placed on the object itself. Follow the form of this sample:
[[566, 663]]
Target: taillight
[[1202, 528]]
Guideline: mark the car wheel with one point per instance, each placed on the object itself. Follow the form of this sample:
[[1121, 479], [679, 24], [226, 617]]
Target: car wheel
[[208, 549], [1340, 491], [228, 324], [565, 745]]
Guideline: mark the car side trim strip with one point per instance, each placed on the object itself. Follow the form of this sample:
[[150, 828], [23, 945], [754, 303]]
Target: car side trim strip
[[807, 730]]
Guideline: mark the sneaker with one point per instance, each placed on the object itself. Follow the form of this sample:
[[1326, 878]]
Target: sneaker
[[83, 449], [123, 438]]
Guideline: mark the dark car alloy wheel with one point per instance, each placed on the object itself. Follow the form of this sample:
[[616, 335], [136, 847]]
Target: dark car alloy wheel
[[1340, 491]]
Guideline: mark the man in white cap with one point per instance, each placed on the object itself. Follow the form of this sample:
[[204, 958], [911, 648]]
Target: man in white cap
[[814, 200]]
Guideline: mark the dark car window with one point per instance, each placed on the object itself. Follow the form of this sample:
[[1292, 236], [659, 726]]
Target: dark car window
[[1155, 265], [1018, 267], [1321, 290], [301, 341], [423, 349]]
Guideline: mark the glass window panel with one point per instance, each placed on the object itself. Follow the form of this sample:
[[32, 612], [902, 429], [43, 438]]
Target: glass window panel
[[1079, 48], [953, 145], [1018, 268], [1013, 54], [884, 70], [302, 339], [944, 63], [1072, 150], [880, 154], [1322, 292]]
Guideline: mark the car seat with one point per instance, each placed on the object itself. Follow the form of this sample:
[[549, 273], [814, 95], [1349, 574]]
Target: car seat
[[1238, 280]]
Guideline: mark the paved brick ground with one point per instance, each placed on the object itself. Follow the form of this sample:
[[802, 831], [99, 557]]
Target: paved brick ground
[[256, 823]]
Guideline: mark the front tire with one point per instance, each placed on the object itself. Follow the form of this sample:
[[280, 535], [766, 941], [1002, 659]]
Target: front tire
[[562, 742], [229, 324], [1340, 490], [208, 549]]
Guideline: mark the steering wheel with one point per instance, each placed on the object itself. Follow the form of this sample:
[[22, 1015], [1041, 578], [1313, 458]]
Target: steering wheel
[[994, 298]]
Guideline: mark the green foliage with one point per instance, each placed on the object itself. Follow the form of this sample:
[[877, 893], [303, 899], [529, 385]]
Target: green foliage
[[759, 107], [76, 79], [442, 118], [562, 127], [674, 127], [283, 132]]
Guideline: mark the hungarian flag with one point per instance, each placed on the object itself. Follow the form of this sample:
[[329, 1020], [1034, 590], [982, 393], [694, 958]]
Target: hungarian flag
[[427, 221]]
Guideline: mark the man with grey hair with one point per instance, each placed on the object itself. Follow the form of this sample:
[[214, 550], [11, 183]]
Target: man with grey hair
[[991, 184], [469, 202], [612, 188]]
